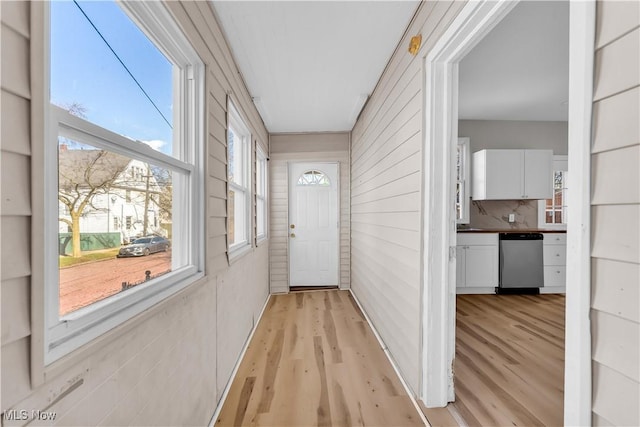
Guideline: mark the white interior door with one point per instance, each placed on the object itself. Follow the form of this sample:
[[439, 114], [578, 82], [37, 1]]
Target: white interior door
[[313, 224]]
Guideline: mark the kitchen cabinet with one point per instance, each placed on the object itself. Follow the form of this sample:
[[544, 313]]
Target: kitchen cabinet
[[512, 174], [476, 262], [554, 255]]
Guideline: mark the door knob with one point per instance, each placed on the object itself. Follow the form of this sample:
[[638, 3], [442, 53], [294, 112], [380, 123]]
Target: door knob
[[292, 226], [293, 235]]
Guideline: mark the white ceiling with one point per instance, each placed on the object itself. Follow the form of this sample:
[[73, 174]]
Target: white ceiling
[[520, 70], [310, 65]]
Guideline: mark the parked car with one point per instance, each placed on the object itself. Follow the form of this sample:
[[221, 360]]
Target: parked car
[[143, 246]]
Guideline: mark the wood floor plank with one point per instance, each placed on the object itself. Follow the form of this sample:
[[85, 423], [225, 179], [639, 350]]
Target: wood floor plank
[[314, 361], [509, 366]]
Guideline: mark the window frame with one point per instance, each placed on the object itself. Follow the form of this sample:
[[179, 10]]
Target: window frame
[[560, 163], [236, 122], [262, 175], [465, 200], [62, 336]]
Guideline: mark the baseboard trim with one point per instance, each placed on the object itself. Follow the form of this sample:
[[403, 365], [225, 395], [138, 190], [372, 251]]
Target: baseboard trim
[[390, 358]]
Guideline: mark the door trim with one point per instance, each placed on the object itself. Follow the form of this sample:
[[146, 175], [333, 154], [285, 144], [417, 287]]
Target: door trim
[[474, 21], [338, 216]]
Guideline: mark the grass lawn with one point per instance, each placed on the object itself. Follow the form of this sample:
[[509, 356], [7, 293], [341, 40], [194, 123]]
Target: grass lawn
[[89, 256]]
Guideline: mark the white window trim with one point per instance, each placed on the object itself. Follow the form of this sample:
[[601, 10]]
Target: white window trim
[[560, 163], [63, 336], [465, 202], [261, 157], [236, 122]]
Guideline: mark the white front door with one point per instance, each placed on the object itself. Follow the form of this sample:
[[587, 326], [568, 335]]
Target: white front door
[[313, 224]]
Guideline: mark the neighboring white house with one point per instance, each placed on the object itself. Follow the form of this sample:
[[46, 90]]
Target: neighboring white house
[[120, 206]]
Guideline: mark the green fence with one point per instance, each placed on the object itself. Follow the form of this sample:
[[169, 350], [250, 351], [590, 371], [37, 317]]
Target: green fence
[[88, 242]]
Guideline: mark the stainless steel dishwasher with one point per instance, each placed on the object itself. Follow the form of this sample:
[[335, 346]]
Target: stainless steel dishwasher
[[521, 265]]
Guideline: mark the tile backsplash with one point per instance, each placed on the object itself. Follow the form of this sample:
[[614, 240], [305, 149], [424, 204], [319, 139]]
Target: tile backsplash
[[495, 214]]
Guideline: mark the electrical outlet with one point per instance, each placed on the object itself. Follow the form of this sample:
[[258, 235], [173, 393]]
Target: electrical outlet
[[512, 217]]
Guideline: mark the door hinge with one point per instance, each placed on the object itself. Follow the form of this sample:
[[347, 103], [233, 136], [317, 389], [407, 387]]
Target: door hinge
[[452, 252]]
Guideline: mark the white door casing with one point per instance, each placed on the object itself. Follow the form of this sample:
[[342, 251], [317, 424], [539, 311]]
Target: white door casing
[[313, 224], [441, 115]]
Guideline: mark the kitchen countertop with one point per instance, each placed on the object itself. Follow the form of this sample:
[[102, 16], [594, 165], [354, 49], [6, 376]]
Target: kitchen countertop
[[510, 230]]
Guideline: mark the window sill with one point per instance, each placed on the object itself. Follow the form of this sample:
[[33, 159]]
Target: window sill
[[262, 239], [238, 252], [79, 356], [552, 226]]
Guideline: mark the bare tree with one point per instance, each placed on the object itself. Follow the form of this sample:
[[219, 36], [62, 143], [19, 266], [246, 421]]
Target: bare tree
[[83, 174]]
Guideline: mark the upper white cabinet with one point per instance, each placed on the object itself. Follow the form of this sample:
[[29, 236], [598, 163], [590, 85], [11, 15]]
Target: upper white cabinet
[[512, 174]]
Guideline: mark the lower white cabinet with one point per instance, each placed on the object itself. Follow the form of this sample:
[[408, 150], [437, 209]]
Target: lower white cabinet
[[477, 261], [554, 255]]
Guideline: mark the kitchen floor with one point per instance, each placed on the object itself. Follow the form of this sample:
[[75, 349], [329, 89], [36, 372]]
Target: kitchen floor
[[509, 366]]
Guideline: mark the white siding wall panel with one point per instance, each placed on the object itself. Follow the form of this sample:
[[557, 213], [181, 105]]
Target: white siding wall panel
[[15, 372], [15, 310], [16, 260], [15, 62], [615, 396], [278, 244], [616, 288], [615, 232], [16, 16], [617, 66], [614, 19], [168, 365], [615, 220], [615, 176], [615, 121], [15, 183], [15, 110], [616, 344], [386, 186]]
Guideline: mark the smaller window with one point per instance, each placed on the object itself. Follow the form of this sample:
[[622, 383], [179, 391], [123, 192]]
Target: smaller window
[[552, 213], [314, 178], [463, 188], [128, 223], [261, 194], [128, 196], [239, 182]]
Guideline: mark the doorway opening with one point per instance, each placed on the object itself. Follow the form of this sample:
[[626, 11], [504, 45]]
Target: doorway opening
[[441, 131]]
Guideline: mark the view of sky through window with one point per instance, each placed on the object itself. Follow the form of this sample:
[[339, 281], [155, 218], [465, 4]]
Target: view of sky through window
[[85, 72]]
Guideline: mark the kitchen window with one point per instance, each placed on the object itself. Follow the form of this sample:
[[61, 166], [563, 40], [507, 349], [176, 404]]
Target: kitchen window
[[125, 116], [239, 183], [463, 183], [552, 213]]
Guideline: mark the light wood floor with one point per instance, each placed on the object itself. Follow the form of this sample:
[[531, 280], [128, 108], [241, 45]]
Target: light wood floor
[[509, 364], [314, 361]]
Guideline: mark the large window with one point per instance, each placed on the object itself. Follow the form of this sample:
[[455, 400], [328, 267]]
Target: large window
[[123, 147], [463, 188], [552, 213], [261, 194], [239, 182]]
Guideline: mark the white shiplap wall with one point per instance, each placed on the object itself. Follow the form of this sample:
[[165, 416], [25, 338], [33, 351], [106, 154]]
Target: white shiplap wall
[[615, 213], [169, 365], [386, 165], [317, 147]]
